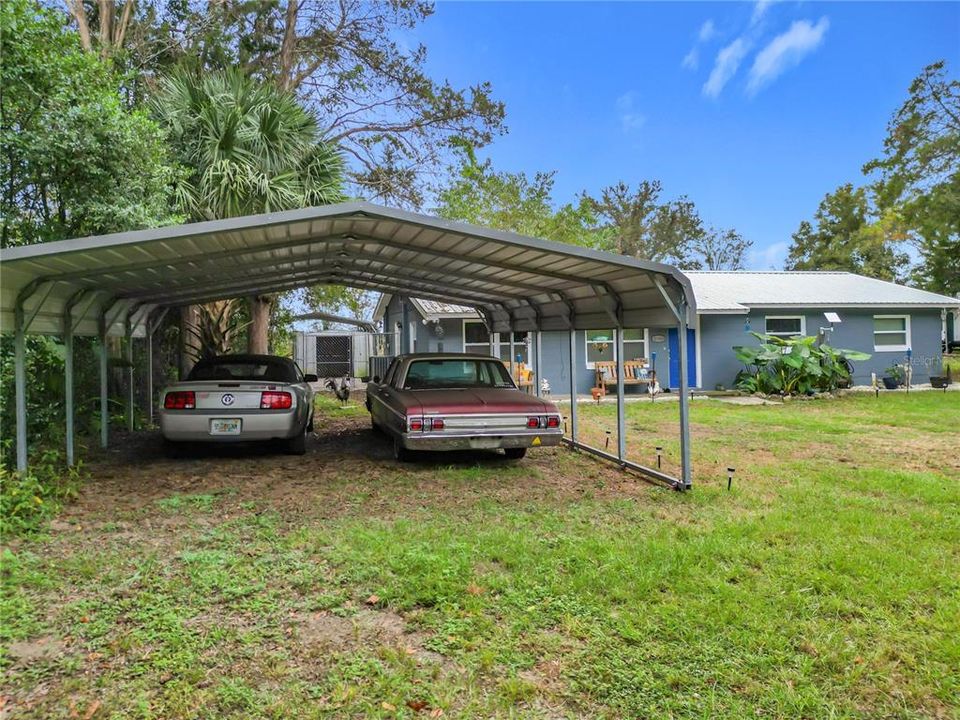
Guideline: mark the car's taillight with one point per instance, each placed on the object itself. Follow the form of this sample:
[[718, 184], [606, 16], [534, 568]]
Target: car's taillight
[[553, 421], [533, 422], [437, 424], [415, 423], [276, 401], [180, 400]]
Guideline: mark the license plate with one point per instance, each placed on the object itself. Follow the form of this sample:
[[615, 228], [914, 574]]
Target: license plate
[[484, 443], [225, 427]]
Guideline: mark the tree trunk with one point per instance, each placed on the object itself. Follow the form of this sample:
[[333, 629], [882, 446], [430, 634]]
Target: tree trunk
[[80, 15], [189, 342], [288, 46], [258, 332]]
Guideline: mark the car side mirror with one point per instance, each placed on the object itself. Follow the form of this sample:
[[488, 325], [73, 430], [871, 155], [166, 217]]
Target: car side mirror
[[309, 377], [376, 379]]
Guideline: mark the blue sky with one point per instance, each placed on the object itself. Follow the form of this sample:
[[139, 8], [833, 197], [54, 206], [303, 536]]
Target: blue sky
[[753, 110]]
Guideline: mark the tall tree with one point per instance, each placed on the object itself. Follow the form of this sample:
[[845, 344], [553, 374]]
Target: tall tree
[[847, 235], [73, 159], [372, 94], [637, 223], [919, 174], [249, 148], [717, 250], [480, 195]]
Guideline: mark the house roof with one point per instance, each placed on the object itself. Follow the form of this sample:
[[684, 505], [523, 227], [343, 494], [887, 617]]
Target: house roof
[[738, 291], [430, 310], [735, 292]]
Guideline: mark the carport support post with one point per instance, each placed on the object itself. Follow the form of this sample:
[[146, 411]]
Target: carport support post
[[573, 384], [20, 383], [128, 331], [513, 356], [149, 328], [621, 419], [537, 379], [685, 464], [104, 411], [68, 380]]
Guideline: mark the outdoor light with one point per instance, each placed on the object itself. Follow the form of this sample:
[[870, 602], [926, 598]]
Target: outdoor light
[[730, 472], [659, 453]]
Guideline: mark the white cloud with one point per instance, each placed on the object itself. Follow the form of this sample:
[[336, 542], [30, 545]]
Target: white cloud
[[725, 67], [691, 61], [707, 31], [771, 257], [785, 51], [759, 10], [630, 118]]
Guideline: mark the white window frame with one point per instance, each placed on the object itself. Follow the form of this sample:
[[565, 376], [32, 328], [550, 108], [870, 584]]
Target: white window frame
[[785, 336], [495, 345], [487, 344], [905, 332], [590, 365]]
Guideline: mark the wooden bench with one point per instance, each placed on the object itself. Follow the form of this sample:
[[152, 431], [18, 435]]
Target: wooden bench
[[523, 376], [636, 372]]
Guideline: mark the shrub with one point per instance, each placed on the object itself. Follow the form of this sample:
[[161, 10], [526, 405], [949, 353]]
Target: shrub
[[28, 499], [788, 366]]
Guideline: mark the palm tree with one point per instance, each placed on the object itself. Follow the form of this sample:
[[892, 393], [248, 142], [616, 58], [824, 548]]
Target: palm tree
[[246, 147]]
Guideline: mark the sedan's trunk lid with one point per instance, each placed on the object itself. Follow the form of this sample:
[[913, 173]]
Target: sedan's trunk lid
[[478, 401], [230, 394]]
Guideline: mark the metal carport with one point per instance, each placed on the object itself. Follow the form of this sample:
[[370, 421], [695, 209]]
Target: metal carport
[[121, 284]]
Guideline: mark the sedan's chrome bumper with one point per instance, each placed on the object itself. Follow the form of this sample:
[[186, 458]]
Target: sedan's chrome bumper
[[480, 441], [196, 426]]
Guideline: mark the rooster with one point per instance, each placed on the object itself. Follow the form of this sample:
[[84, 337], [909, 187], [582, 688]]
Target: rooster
[[342, 391]]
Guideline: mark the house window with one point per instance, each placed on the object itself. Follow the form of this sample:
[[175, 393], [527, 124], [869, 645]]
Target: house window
[[476, 339], [786, 326], [601, 345], [634, 344], [891, 333], [520, 346]]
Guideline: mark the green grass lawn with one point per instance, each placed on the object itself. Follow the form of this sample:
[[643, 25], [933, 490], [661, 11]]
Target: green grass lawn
[[826, 584]]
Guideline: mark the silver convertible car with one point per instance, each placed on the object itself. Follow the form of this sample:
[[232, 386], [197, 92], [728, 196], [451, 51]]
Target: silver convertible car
[[431, 401], [236, 398]]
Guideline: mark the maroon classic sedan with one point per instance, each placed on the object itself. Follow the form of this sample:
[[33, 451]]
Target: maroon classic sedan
[[435, 401]]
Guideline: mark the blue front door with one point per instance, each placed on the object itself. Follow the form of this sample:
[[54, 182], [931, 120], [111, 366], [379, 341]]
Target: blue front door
[[673, 344]]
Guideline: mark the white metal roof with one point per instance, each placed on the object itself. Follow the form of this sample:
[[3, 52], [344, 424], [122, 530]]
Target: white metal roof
[[430, 310], [738, 291], [510, 279]]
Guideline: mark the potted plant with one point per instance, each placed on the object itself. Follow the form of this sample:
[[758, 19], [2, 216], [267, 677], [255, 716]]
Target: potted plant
[[893, 377], [941, 381]]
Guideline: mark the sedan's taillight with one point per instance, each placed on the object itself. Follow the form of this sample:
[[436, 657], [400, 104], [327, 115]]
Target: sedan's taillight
[[276, 401], [437, 424], [553, 421], [533, 423], [180, 400], [415, 423]]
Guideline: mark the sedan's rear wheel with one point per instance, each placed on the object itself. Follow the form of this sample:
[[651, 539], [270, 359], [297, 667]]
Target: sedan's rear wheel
[[514, 453], [400, 453], [297, 445]]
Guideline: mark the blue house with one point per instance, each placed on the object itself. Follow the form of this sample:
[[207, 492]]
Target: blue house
[[894, 323]]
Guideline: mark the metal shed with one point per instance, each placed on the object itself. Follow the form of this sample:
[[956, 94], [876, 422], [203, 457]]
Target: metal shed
[[120, 284]]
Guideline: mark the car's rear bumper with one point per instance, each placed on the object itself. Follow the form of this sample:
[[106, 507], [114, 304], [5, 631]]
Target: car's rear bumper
[[196, 427], [480, 441]]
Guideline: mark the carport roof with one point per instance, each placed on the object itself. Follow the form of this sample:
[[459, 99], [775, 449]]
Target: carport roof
[[512, 280]]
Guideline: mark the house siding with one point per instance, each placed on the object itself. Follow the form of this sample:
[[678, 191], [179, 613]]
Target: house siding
[[720, 333]]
